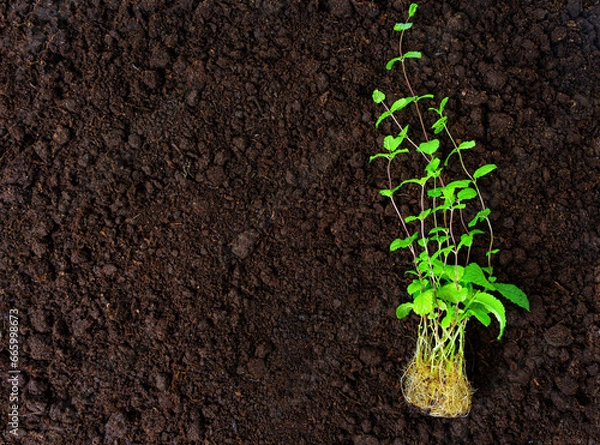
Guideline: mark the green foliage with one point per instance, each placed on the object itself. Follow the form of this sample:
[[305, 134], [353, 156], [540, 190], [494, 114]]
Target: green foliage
[[412, 9], [378, 96], [448, 286], [484, 170]]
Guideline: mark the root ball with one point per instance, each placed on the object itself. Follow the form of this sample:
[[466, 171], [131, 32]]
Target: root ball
[[438, 389]]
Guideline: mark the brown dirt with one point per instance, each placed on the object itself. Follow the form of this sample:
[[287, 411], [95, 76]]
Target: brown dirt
[[195, 243]]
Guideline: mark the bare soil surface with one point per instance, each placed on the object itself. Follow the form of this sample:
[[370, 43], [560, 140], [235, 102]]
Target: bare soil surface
[[194, 240]]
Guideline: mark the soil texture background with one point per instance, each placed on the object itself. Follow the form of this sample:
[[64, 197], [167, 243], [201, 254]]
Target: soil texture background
[[195, 243]]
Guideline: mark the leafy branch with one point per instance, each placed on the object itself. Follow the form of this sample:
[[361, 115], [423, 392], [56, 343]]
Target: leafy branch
[[448, 286]]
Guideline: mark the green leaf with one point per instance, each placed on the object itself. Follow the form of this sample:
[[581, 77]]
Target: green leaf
[[448, 319], [415, 286], [443, 105], [492, 252], [402, 243], [436, 230], [474, 274], [386, 192], [466, 194], [380, 155], [403, 310], [423, 303], [400, 150], [432, 169], [453, 272], [437, 267], [402, 26], [466, 145], [513, 293], [435, 192], [392, 62], [424, 257], [378, 96], [423, 266], [441, 252], [412, 55], [459, 184], [423, 241], [420, 181], [429, 147], [480, 216], [463, 146], [424, 214], [449, 189], [402, 103], [484, 170], [453, 293], [412, 9], [440, 110], [425, 96], [495, 306], [480, 313], [446, 205], [383, 116], [439, 125], [390, 143], [466, 239]]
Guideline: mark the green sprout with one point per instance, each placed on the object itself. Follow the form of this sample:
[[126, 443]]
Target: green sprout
[[448, 287]]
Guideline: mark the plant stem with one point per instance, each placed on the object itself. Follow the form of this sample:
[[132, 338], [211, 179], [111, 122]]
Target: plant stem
[[479, 195], [410, 88]]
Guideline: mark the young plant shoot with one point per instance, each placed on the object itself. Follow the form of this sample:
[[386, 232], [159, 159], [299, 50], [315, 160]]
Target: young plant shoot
[[449, 287]]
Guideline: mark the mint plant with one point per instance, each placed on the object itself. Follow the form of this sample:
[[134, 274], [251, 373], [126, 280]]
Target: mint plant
[[449, 287]]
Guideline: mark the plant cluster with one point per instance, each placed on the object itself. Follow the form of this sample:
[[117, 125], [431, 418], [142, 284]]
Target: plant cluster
[[448, 286]]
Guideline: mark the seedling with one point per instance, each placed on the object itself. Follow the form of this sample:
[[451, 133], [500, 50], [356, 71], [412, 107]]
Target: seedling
[[449, 287]]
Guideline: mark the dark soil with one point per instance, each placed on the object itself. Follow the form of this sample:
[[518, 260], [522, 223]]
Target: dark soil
[[196, 246]]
